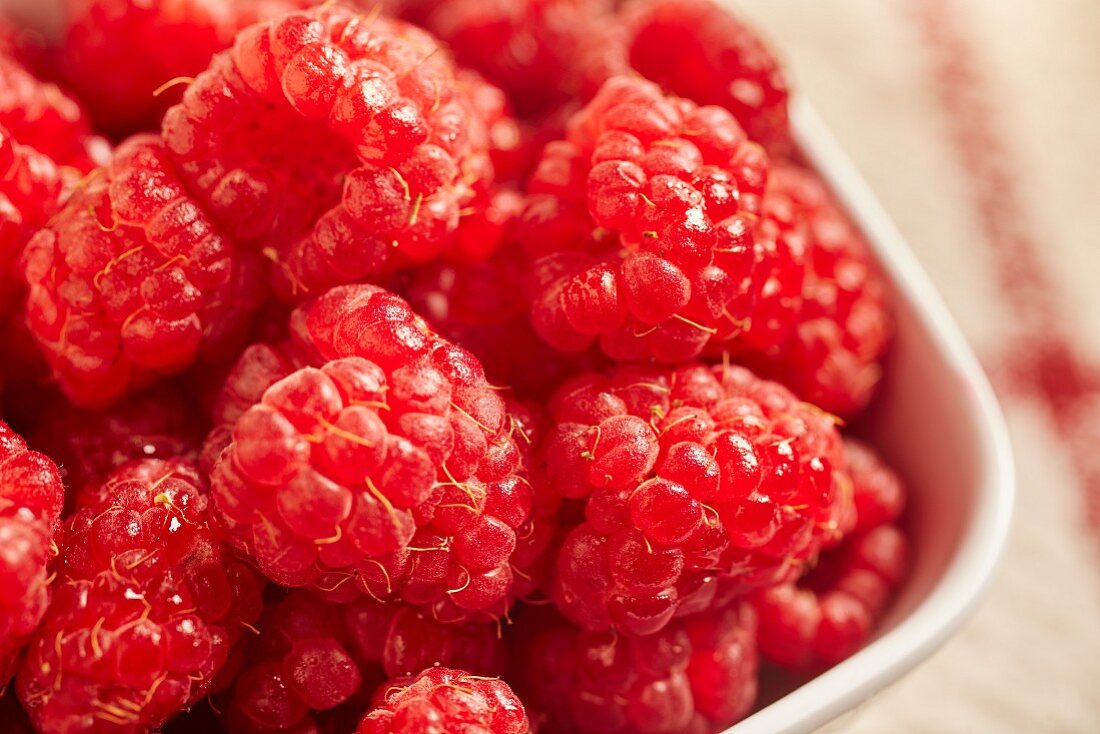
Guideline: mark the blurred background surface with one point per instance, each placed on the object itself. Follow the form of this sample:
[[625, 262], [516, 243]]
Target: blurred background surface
[[977, 122]]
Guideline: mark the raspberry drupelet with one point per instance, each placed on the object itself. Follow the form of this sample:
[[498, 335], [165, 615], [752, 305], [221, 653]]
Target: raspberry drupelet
[[639, 226], [698, 483], [444, 699], [314, 658], [131, 281], [30, 504], [386, 153], [832, 611], [697, 676], [39, 115], [699, 50], [388, 466], [147, 607], [835, 333]]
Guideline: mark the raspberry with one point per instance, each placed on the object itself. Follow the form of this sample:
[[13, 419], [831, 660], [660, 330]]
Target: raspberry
[[442, 699], [148, 607], [116, 53], [30, 193], [466, 303], [834, 337], [30, 504], [384, 156], [639, 226], [41, 116], [697, 675], [314, 660], [699, 50], [130, 281], [12, 714], [543, 53], [389, 462], [692, 478], [89, 445], [831, 612]]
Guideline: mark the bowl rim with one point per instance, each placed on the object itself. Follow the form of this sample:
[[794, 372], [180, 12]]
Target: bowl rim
[[968, 576]]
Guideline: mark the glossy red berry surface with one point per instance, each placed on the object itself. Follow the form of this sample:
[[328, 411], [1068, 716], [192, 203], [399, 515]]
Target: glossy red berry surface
[[832, 611], [387, 148], [639, 227], [391, 467], [147, 607], [699, 50], [696, 676], [131, 280], [315, 660], [836, 332], [697, 482], [30, 504], [444, 699]]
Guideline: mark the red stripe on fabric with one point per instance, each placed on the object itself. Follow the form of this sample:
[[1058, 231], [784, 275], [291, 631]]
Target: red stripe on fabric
[[1041, 361]]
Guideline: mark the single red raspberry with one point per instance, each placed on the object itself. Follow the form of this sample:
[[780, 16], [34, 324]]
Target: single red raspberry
[[131, 281], [116, 54], [639, 226], [543, 53], [699, 50], [835, 335], [697, 675], [443, 699], [30, 504], [30, 193], [692, 478], [88, 445], [466, 303], [387, 148], [41, 116], [391, 463], [148, 606], [313, 658], [831, 612]]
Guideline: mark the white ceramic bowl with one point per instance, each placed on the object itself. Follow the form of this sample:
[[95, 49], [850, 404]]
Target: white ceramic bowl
[[937, 422]]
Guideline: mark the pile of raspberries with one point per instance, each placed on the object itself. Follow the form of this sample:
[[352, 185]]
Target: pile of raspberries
[[425, 367]]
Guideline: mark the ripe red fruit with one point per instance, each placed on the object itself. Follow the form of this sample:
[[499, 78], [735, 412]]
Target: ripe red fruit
[[387, 148], [130, 281], [39, 115], [443, 699], [388, 466], [313, 658], [831, 612], [834, 334], [697, 481], [697, 675], [542, 53], [639, 227], [88, 445], [115, 54], [146, 611], [30, 193], [30, 504], [480, 306], [699, 50]]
